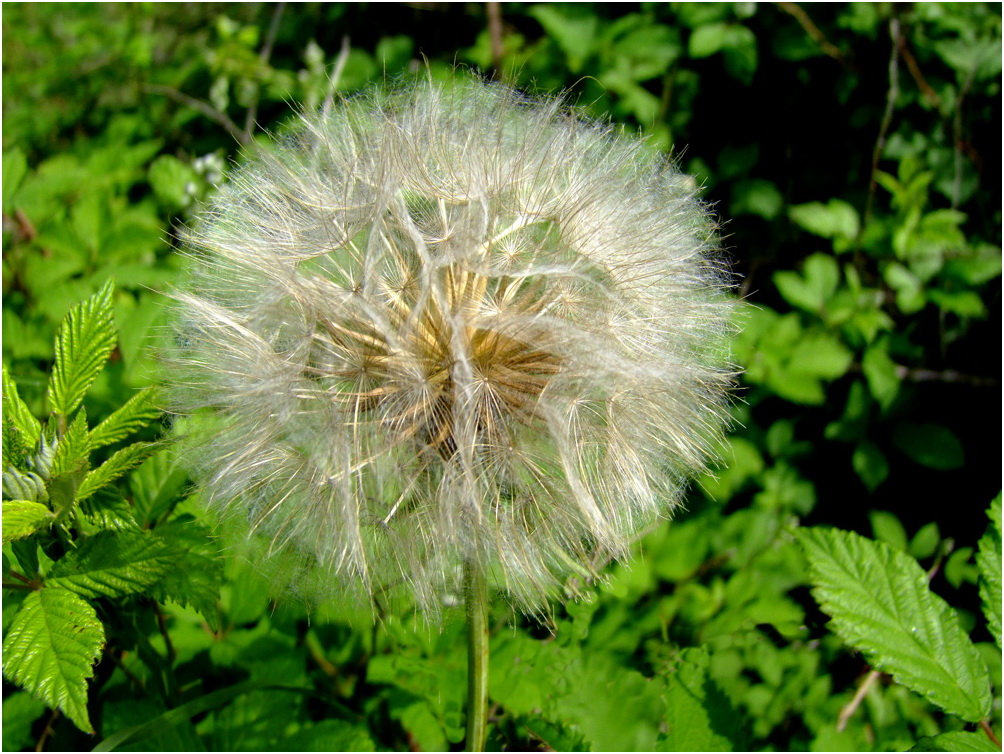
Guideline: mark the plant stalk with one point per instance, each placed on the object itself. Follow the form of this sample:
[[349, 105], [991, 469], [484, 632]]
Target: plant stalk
[[476, 599]]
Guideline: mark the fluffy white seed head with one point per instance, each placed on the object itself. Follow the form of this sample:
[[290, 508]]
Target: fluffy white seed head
[[452, 324]]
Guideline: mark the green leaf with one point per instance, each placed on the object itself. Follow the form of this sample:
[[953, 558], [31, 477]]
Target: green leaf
[[20, 710], [17, 414], [108, 509], [113, 564], [699, 716], [886, 527], [51, 648], [929, 444], [135, 414], [573, 30], [814, 287], [957, 740], [989, 561], [835, 219], [156, 486], [881, 605], [73, 448], [197, 574], [15, 167], [870, 464], [129, 457], [84, 342], [22, 518], [197, 706], [169, 178]]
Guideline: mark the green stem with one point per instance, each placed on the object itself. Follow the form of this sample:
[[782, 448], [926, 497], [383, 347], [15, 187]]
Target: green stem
[[476, 598]]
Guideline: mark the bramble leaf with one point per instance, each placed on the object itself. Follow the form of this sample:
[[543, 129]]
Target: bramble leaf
[[73, 448], [51, 648], [880, 603], [22, 518], [17, 415], [989, 561], [699, 716], [113, 564], [197, 574], [135, 414], [85, 341], [120, 462], [956, 740]]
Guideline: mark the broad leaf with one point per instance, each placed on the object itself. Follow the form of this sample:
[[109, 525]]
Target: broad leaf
[[156, 486], [881, 604], [957, 740], [135, 414], [73, 448], [22, 518], [51, 648], [128, 458], [699, 716], [108, 509], [197, 574], [113, 564], [989, 562], [85, 340]]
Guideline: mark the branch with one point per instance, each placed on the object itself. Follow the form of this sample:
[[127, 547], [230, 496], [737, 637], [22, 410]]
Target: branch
[[851, 707], [263, 56], [203, 107], [949, 376], [890, 105], [911, 64], [796, 11], [495, 33]]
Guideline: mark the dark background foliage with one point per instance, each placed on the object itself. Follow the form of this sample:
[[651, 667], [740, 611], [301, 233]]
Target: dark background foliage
[[852, 153]]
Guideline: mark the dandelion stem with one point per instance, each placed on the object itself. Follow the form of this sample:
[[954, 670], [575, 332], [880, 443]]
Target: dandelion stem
[[476, 599]]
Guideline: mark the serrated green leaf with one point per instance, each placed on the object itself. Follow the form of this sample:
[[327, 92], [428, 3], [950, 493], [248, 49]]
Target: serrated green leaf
[[15, 167], [129, 457], [22, 518], [63, 490], [881, 605], [135, 414], [51, 648], [83, 344], [957, 740], [113, 564], [989, 561], [699, 716], [156, 486], [73, 448], [108, 509], [17, 414], [198, 573]]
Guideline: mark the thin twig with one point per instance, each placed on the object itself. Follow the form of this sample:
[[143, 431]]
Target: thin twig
[[263, 56], [949, 376], [890, 106], [795, 11], [911, 64], [990, 733], [172, 655], [957, 139], [47, 731], [851, 707], [203, 107], [495, 34]]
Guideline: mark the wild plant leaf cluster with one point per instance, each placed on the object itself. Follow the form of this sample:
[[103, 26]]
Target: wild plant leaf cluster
[[833, 585]]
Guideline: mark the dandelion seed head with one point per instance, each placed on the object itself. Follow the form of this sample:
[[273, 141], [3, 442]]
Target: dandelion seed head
[[450, 323]]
